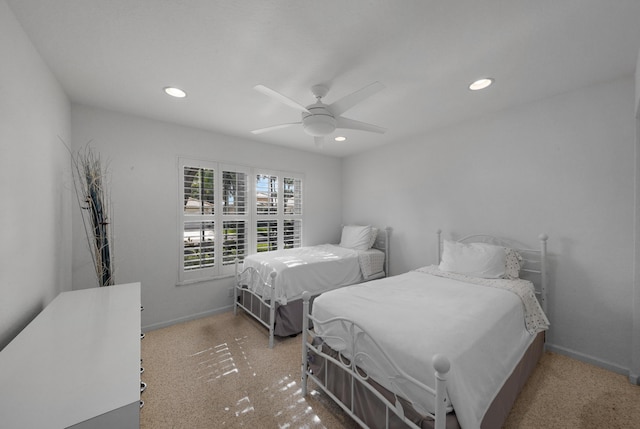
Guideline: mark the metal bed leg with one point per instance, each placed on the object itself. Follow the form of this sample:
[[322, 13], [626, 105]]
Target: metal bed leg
[[235, 289], [442, 366], [305, 327], [272, 310]]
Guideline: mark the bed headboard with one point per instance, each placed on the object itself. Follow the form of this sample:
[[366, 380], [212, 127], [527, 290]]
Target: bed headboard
[[534, 267]]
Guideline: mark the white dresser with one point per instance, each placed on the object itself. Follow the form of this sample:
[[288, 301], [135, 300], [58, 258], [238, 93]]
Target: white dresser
[[77, 364]]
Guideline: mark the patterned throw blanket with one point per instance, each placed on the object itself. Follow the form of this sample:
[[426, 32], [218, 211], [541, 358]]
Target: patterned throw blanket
[[534, 318]]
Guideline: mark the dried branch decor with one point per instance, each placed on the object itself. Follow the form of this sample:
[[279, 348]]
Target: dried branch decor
[[89, 177]]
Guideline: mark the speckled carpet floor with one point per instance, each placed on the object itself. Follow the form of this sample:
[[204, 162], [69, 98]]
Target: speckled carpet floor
[[217, 372]]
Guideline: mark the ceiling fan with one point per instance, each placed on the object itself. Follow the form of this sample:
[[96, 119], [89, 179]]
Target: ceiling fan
[[320, 119]]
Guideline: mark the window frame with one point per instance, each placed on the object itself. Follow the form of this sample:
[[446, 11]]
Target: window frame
[[250, 216], [218, 217]]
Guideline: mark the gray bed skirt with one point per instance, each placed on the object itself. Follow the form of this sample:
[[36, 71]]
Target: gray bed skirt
[[288, 317]]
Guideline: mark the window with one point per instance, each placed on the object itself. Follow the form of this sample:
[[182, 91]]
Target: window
[[278, 211], [214, 218], [292, 224], [235, 215], [222, 218]]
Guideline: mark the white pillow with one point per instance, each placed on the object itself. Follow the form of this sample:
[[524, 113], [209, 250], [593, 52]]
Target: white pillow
[[474, 259], [356, 237]]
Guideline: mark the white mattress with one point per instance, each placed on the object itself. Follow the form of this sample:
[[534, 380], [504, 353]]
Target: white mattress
[[416, 315], [315, 269]]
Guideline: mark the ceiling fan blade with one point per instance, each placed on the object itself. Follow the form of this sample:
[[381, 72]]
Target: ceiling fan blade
[[352, 124], [275, 127], [348, 101], [319, 141], [281, 98]]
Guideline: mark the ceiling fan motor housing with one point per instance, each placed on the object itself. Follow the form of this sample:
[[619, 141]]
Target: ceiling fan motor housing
[[319, 122]]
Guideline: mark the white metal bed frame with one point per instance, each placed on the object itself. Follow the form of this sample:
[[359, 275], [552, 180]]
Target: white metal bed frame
[[260, 305], [534, 263], [261, 302]]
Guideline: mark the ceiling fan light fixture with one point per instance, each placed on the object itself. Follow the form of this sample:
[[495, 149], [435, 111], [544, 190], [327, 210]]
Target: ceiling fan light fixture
[[481, 84], [175, 92], [319, 125]]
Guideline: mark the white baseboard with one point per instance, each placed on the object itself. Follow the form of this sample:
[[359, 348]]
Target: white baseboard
[[161, 325], [590, 360]]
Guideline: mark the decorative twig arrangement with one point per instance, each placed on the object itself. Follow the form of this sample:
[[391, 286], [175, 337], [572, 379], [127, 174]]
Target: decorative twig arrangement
[[89, 176]]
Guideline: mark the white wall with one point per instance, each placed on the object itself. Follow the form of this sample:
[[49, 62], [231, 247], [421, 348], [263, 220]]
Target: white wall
[[634, 375], [35, 243], [638, 87], [563, 165], [142, 157]]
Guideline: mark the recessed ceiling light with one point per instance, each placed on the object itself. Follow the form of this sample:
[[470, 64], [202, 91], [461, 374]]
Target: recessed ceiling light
[[340, 139], [481, 84], [175, 92]]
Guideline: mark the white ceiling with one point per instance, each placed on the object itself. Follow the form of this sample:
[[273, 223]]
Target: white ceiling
[[119, 54]]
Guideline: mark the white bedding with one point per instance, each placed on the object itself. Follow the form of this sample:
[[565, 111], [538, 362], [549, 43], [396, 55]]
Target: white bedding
[[415, 315], [315, 269]]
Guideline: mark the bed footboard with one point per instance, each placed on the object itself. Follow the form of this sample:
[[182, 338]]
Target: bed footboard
[[258, 303], [349, 358]]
